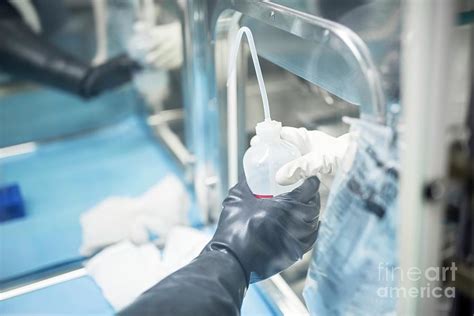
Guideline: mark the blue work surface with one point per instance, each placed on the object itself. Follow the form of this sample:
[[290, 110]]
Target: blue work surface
[[83, 297], [41, 114], [61, 180]]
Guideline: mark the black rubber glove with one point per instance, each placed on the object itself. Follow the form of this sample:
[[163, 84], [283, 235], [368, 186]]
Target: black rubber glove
[[253, 235], [212, 284], [268, 235], [29, 56], [112, 74]]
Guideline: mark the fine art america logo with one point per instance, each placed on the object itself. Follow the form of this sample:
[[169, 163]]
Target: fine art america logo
[[431, 278]]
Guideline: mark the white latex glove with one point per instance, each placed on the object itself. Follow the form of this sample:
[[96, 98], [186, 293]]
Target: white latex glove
[[118, 218], [321, 153], [159, 46]]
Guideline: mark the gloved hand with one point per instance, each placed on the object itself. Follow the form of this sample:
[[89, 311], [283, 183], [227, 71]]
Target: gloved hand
[[29, 56], [107, 76], [258, 237], [321, 153], [160, 46], [267, 235]]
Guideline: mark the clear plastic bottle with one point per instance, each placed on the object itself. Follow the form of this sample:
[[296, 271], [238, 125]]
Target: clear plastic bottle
[[262, 160]]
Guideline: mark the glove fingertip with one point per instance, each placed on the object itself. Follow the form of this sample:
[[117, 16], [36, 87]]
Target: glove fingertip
[[291, 172], [312, 183], [283, 176], [306, 191]]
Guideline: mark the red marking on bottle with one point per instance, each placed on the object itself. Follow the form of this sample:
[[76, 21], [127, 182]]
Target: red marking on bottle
[[263, 196]]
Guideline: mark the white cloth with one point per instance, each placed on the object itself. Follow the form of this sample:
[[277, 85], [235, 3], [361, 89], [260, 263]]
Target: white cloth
[[182, 246], [124, 271], [159, 46], [117, 218]]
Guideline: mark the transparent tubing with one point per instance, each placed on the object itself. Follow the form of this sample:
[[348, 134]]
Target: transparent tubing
[[317, 31], [256, 64]]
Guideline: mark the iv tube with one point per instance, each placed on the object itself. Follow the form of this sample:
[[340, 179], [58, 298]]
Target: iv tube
[[256, 64]]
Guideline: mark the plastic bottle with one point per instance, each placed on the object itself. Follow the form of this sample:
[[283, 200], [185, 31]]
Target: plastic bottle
[[262, 161]]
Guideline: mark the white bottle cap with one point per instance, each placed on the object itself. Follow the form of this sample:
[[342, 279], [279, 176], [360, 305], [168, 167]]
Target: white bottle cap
[[268, 130]]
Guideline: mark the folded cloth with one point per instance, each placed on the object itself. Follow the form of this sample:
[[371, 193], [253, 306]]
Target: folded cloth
[[152, 214], [182, 246], [124, 271]]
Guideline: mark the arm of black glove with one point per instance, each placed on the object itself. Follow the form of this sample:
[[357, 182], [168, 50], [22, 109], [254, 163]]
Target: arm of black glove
[[255, 239], [27, 55]]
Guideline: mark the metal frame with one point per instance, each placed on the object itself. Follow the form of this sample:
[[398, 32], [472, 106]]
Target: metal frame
[[31, 283], [206, 95], [213, 112], [426, 47]]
